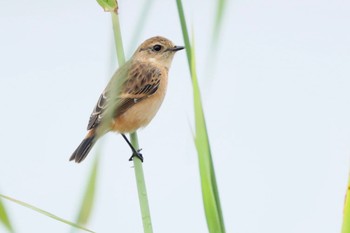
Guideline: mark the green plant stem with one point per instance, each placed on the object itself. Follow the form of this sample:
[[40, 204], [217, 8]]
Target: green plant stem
[[140, 180], [346, 217], [118, 39]]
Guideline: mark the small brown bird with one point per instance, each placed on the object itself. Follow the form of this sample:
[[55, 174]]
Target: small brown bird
[[133, 95]]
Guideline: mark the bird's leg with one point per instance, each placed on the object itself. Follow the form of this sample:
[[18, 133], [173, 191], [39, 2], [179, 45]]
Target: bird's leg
[[134, 151]]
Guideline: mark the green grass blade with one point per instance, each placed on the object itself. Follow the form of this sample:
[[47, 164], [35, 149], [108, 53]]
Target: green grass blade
[[4, 218], [346, 217], [210, 192], [211, 62], [43, 212], [147, 5], [89, 195], [186, 38], [208, 180], [220, 10]]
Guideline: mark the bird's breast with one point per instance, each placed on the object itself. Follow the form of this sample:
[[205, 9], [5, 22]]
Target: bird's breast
[[140, 114]]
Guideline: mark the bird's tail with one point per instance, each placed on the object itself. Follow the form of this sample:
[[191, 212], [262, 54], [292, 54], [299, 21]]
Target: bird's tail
[[84, 148]]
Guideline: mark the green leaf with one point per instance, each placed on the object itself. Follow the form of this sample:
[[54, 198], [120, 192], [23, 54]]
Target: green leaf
[[108, 5], [89, 195], [4, 218], [45, 213], [346, 217], [210, 192]]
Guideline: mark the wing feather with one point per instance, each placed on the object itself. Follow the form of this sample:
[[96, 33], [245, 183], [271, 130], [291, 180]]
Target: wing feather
[[144, 80]]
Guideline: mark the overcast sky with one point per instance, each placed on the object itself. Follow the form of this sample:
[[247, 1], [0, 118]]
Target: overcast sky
[[277, 108]]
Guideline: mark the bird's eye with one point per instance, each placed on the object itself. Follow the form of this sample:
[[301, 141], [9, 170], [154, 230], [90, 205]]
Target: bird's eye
[[157, 48]]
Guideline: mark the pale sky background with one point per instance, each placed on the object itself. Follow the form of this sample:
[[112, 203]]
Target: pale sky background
[[277, 109]]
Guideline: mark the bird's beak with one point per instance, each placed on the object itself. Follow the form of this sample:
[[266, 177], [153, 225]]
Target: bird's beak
[[176, 48]]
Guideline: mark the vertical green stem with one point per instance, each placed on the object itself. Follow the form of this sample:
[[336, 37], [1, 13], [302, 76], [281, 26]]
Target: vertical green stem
[[346, 217], [118, 39], [140, 180], [141, 188]]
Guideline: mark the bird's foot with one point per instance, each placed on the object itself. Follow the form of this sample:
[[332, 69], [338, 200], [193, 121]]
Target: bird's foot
[[137, 154]]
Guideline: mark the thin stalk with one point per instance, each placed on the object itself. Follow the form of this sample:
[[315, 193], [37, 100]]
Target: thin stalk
[[140, 180], [346, 218], [118, 39]]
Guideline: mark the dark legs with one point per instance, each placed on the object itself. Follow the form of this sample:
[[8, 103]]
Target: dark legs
[[134, 151]]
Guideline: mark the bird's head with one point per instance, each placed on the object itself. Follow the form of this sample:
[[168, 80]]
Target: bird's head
[[158, 50]]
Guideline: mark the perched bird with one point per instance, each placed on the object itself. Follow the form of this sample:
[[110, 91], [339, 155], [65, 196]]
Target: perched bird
[[133, 95]]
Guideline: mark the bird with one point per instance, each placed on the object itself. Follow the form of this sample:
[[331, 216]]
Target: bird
[[132, 97]]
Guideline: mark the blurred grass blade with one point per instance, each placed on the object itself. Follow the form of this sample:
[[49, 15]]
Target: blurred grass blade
[[45, 213], [108, 5], [142, 18], [211, 62], [346, 217], [210, 192], [220, 7], [89, 195], [4, 218]]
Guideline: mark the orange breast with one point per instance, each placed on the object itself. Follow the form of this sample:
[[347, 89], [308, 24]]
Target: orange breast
[[141, 113]]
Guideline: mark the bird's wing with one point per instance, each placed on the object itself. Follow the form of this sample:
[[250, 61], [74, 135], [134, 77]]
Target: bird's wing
[[116, 82], [96, 115], [141, 81], [144, 80]]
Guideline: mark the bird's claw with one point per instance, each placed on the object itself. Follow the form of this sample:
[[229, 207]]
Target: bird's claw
[[137, 154]]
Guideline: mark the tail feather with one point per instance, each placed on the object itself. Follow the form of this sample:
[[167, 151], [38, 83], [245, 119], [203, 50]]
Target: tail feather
[[84, 148]]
